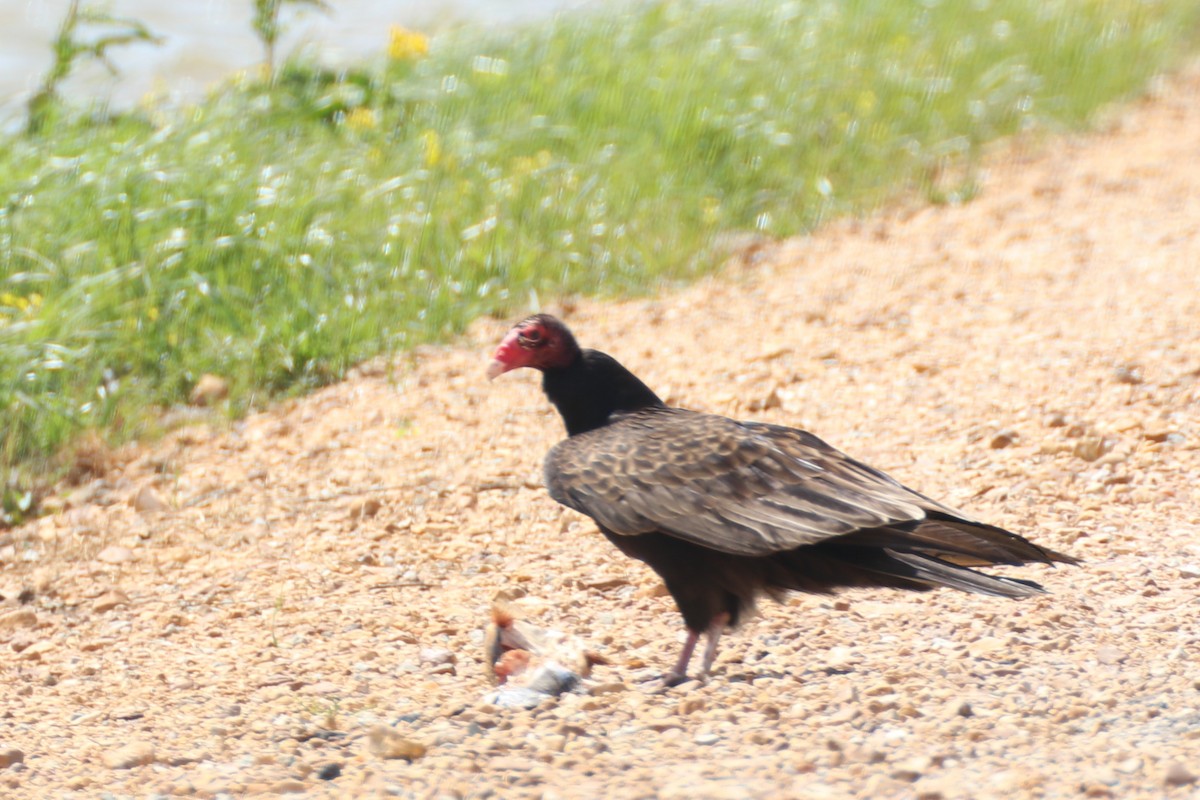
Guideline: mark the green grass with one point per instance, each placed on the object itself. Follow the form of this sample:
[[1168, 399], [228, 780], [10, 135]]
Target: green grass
[[277, 235]]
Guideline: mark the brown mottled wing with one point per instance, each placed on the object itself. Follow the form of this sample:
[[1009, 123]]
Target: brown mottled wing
[[738, 487]]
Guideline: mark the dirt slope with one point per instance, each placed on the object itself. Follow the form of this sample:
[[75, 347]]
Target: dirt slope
[[1032, 357]]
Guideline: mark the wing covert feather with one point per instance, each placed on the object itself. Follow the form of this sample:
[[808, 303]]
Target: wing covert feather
[[738, 487]]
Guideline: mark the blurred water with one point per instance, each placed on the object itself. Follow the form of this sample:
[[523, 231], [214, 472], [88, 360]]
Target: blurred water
[[206, 40]]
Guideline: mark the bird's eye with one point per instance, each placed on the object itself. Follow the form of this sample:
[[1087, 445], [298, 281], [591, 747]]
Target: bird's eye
[[531, 336]]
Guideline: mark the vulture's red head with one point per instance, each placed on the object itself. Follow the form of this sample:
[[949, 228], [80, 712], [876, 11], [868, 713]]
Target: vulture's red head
[[540, 341]]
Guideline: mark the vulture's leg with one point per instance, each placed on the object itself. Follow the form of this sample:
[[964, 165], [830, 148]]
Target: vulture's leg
[[678, 673], [715, 629]]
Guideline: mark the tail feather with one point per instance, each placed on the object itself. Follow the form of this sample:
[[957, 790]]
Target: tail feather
[[957, 541], [936, 572]]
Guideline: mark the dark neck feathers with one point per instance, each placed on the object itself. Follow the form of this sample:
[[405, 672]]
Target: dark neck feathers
[[592, 388]]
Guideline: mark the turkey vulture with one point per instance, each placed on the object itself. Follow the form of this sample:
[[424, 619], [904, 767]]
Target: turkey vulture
[[725, 511]]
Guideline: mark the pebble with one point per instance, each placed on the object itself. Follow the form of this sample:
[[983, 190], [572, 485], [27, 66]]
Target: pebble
[[1003, 439], [1089, 448], [958, 707], [109, 600], [127, 712], [288, 786], [987, 647], [36, 650], [115, 554], [363, 507], [847, 713], [1177, 774], [437, 656], [689, 789], [386, 742], [913, 768], [841, 657], [1156, 432], [1129, 766], [1101, 776], [879, 785], [1128, 373], [686, 687], [323, 688], [609, 688], [554, 742], [10, 756], [510, 764], [134, 754], [19, 618], [930, 788], [146, 501]]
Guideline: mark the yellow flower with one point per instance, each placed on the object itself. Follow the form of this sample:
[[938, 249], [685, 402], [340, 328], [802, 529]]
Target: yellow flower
[[866, 102], [152, 313], [14, 300], [523, 165], [433, 148], [362, 119], [406, 45]]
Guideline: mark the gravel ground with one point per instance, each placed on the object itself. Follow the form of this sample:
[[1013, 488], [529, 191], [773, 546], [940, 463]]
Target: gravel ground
[[295, 604]]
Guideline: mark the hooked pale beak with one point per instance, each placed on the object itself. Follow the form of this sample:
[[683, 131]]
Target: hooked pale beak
[[508, 355], [495, 369]]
